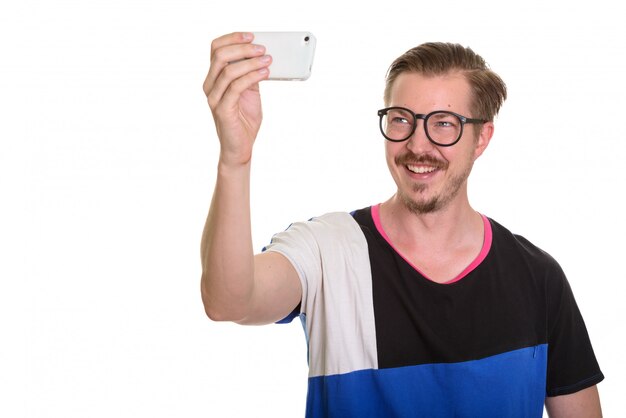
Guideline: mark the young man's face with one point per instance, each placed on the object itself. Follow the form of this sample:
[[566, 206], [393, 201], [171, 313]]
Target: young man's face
[[429, 177]]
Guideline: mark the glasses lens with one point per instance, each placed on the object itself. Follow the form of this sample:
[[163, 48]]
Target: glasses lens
[[397, 124], [443, 128]]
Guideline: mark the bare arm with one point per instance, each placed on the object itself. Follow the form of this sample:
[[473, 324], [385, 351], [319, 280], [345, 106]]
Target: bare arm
[[585, 403], [236, 285]]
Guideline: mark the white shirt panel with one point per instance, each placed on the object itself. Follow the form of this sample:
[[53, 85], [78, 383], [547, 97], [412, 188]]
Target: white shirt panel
[[331, 257]]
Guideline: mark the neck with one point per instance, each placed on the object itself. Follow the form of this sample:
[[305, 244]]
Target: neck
[[455, 224]]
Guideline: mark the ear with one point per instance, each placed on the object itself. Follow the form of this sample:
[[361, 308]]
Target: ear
[[484, 137]]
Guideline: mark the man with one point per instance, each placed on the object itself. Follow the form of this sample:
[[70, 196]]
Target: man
[[419, 306]]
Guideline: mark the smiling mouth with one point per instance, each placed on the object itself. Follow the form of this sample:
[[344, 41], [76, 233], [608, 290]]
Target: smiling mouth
[[420, 164], [420, 169]]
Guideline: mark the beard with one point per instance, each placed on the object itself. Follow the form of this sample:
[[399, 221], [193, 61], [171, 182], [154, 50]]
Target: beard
[[437, 202]]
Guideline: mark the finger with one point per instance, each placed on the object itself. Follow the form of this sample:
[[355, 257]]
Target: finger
[[235, 38], [231, 39], [250, 81], [255, 68], [227, 55], [229, 106]]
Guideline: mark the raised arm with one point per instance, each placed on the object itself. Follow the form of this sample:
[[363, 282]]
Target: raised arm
[[237, 285]]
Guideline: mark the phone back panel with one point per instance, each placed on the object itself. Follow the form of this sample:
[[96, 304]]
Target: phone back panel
[[292, 53]]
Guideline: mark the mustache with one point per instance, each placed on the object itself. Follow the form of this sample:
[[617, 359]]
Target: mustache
[[411, 158]]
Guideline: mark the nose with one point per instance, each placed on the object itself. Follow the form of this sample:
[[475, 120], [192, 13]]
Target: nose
[[418, 142]]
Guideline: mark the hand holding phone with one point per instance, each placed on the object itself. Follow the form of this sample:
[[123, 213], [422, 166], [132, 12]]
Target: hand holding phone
[[233, 95], [292, 53]]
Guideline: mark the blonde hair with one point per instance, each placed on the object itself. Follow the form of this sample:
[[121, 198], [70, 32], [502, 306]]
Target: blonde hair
[[439, 58]]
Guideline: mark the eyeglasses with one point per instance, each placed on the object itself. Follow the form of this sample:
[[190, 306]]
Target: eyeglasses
[[442, 127]]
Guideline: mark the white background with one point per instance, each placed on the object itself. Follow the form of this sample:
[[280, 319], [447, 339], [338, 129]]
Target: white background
[[107, 164]]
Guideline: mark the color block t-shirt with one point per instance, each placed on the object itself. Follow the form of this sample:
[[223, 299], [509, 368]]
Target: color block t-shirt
[[385, 341]]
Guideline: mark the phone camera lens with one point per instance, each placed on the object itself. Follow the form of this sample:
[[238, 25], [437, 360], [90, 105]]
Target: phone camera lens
[[306, 39]]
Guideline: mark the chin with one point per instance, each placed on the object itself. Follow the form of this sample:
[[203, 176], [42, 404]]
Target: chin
[[423, 206]]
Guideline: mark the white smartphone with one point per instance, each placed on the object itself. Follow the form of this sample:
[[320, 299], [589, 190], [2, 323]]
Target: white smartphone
[[292, 53]]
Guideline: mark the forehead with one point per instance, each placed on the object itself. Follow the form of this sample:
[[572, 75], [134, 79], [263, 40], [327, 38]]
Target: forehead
[[423, 94]]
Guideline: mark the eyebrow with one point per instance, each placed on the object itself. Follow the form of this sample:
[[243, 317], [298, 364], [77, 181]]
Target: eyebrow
[[441, 115]]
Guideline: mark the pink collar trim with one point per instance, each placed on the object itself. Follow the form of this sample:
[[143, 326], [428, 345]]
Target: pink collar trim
[[479, 259]]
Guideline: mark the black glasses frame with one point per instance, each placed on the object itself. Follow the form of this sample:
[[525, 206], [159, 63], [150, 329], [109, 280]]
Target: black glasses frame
[[425, 117]]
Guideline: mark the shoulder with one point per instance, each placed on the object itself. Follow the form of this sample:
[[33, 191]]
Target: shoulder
[[524, 262], [337, 221], [331, 222], [512, 246], [332, 218], [326, 228]]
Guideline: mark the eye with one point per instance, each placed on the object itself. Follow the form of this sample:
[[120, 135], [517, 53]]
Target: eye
[[399, 120], [443, 121], [399, 117]]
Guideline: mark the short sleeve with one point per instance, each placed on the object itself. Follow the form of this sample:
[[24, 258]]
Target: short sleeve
[[330, 254], [572, 364], [299, 245]]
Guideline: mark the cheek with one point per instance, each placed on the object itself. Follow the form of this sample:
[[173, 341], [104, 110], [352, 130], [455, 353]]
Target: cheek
[[467, 149], [391, 152]]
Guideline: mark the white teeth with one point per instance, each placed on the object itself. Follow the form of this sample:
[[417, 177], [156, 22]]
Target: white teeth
[[420, 169]]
